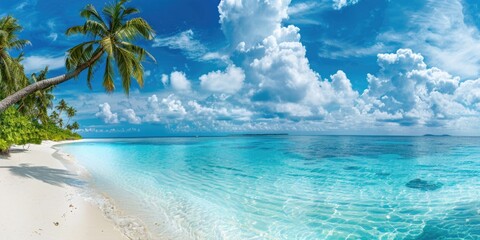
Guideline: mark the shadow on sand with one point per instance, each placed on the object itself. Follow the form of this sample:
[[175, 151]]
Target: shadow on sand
[[53, 176]]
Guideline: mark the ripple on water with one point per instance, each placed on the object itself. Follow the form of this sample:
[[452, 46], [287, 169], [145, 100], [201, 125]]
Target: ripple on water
[[294, 187]]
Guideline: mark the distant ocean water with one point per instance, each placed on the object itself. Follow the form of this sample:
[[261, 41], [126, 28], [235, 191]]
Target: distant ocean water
[[292, 187]]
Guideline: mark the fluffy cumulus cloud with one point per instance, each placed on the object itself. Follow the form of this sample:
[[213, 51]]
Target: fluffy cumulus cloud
[[406, 91], [269, 85], [109, 116], [178, 81], [160, 110], [247, 22], [228, 81], [105, 113], [280, 78], [131, 116]]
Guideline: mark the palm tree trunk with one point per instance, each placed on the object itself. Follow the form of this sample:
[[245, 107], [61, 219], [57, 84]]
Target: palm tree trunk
[[40, 85]]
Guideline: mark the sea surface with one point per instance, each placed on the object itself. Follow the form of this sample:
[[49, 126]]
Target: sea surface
[[292, 187]]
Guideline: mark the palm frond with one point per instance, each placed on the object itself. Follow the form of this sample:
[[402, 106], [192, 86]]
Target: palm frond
[[125, 61], [95, 28], [135, 27], [79, 54], [139, 51], [107, 44], [75, 30], [89, 12], [108, 83]]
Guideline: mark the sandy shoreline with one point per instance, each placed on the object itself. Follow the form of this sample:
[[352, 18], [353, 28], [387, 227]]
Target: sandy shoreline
[[40, 199]]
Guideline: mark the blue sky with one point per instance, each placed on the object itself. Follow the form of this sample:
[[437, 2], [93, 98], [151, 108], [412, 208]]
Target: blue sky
[[297, 66]]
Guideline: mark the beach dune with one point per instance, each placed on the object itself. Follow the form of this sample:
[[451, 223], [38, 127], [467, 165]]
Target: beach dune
[[39, 200]]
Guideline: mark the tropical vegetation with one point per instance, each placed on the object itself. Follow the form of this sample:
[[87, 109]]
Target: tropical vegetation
[[27, 111]]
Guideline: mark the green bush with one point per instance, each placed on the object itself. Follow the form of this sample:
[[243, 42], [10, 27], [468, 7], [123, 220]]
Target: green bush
[[17, 129]]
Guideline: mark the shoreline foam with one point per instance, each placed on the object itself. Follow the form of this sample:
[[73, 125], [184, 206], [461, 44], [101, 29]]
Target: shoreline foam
[[131, 227]]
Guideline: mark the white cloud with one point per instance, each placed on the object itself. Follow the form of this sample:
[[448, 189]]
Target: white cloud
[[345, 49], [163, 110], [107, 130], [105, 113], [132, 116], [439, 31], [165, 79], [53, 36], [339, 4], [22, 5], [275, 89], [305, 7], [179, 81], [219, 110], [228, 81], [283, 72], [184, 41], [38, 63], [281, 79], [250, 21], [406, 91], [191, 47]]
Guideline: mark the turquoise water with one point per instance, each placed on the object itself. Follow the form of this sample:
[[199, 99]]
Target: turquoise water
[[292, 187]]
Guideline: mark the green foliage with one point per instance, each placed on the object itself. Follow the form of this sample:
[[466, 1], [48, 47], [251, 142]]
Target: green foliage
[[17, 129], [38, 103], [111, 32], [12, 77], [52, 132]]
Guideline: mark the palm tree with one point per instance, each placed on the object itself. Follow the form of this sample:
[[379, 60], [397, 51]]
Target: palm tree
[[62, 106], [111, 35], [54, 117], [73, 127], [11, 72], [43, 98], [60, 122], [38, 103], [71, 112]]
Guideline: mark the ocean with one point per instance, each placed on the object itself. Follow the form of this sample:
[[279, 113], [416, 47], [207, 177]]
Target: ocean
[[291, 187]]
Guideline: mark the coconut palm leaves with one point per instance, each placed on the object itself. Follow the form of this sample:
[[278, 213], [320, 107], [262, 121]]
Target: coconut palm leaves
[[11, 72], [111, 33]]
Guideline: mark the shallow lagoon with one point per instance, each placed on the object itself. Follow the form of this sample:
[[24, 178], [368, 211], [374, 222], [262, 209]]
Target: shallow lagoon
[[292, 187]]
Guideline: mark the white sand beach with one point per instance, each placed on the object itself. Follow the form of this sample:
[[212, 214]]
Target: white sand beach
[[39, 200]]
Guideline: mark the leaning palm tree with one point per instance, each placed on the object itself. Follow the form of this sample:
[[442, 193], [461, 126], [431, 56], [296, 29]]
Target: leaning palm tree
[[11, 72], [111, 35]]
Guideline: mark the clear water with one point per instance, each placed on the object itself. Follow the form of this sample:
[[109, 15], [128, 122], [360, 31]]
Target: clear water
[[293, 187]]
